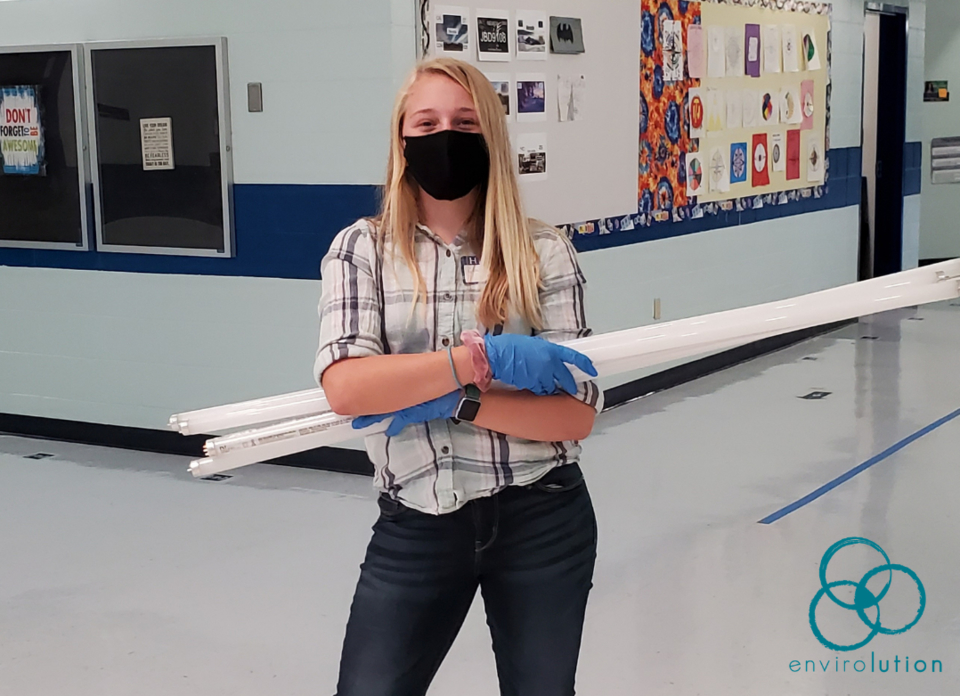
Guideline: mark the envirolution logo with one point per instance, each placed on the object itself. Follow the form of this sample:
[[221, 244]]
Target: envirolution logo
[[866, 606]]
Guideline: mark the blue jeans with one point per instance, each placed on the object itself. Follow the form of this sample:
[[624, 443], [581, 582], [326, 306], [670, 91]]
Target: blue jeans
[[530, 549]]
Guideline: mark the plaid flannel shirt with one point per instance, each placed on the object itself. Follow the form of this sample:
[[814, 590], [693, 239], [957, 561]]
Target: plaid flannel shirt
[[438, 466]]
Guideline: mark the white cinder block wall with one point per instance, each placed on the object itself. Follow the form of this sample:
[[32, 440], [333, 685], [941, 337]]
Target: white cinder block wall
[[130, 349]]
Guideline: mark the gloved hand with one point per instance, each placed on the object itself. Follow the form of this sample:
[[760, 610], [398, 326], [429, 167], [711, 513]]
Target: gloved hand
[[441, 407], [534, 363]]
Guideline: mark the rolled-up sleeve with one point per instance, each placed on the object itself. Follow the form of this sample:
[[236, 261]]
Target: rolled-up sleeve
[[562, 301], [350, 315]]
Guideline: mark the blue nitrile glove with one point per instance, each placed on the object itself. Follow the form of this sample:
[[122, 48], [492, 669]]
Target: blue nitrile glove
[[534, 363], [441, 407]]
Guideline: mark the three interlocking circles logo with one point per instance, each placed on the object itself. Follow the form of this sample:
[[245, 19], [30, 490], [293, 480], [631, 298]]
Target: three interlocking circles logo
[[864, 600]]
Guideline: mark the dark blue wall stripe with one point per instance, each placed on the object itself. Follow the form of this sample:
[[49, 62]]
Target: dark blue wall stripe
[[827, 487], [282, 231], [912, 168]]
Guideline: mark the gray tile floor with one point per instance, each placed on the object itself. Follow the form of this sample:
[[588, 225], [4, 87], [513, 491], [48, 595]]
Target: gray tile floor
[[120, 574]]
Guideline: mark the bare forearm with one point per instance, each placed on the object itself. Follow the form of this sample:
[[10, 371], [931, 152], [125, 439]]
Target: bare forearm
[[387, 383], [543, 418]]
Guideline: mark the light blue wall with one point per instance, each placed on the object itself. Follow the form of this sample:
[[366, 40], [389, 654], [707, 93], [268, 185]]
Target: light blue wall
[[130, 349]]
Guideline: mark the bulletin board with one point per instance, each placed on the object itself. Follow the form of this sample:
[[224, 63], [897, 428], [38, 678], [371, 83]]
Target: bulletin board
[[680, 147], [591, 159]]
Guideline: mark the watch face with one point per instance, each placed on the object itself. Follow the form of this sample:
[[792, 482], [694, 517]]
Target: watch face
[[468, 409]]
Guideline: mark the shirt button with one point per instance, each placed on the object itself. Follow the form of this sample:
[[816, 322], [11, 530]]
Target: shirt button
[[447, 296], [449, 253], [445, 450], [445, 341]]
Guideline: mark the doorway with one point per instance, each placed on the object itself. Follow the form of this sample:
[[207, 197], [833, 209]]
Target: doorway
[[884, 137]]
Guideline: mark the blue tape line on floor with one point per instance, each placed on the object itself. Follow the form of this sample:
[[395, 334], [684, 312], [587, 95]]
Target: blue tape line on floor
[[826, 488]]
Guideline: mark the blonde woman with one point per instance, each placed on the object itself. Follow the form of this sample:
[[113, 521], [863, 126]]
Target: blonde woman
[[447, 291]]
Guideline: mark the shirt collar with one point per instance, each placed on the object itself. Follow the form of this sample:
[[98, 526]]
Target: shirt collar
[[458, 241]]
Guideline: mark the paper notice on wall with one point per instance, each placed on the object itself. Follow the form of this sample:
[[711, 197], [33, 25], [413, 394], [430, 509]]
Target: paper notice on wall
[[672, 51], [808, 45], [21, 135], [698, 113], [791, 52], [156, 143], [571, 96], [734, 109], [793, 155], [815, 165], [733, 37], [778, 152], [716, 110], [760, 175], [772, 48], [696, 52], [493, 35], [716, 56], [751, 108], [769, 107], [752, 42], [806, 104], [790, 109], [696, 176], [532, 156], [719, 169]]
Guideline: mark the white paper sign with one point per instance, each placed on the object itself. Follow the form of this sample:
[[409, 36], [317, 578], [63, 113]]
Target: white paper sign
[[771, 49], [156, 143]]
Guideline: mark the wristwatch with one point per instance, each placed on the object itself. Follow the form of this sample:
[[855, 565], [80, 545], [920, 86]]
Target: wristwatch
[[469, 404]]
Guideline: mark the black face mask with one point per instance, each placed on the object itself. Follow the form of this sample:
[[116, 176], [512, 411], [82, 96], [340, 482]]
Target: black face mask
[[449, 164]]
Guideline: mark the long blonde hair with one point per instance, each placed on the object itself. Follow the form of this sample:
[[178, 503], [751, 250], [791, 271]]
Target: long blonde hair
[[498, 226]]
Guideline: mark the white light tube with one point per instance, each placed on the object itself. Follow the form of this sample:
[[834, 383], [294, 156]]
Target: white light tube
[[613, 353]]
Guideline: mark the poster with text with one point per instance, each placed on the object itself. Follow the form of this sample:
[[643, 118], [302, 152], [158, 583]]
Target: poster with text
[[156, 143], [452, 30], [493, 35], [21, 133]]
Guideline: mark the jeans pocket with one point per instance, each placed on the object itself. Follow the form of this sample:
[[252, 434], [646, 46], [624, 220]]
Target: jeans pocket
[[561, 479]]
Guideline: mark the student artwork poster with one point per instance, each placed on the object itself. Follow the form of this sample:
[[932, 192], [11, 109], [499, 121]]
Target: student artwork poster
[[452, 31], [531, 97]]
